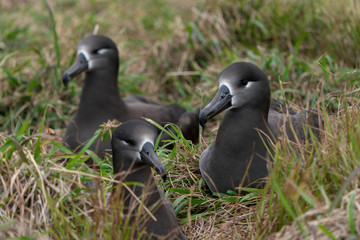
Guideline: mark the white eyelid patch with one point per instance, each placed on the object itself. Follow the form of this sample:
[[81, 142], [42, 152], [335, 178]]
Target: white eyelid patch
[[102, 50], [124, 142], [248, 84]]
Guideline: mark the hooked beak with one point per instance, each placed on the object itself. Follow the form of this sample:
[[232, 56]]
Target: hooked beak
[[149, 157], [220, 102], [80, 65]]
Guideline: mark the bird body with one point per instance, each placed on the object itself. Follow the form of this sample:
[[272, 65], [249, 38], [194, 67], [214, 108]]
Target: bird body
[[133, 157], [239, 155], [226, 162], [100, 99]]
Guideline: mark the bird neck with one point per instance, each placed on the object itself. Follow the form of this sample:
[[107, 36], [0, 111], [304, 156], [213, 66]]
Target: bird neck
[[101, 93], [240, 129], [139, 174], [131, 171], [148, 195]]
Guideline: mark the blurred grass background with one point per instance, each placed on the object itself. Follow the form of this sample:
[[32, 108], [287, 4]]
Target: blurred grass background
[[173, 51]]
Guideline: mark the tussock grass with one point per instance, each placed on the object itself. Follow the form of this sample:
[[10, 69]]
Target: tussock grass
[[174, 53]]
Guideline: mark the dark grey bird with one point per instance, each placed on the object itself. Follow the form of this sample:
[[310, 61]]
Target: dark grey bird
[[100, 100], [238, 155], [133, 157]]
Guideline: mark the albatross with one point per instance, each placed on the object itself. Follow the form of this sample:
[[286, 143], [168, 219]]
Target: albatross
[[239, 153], [100, 100]]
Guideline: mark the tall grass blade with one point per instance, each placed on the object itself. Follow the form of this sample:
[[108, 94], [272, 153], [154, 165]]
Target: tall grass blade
[[343, 188], [56, 45]]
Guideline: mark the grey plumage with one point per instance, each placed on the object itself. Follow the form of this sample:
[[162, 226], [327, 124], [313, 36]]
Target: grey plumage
[[100, 99], [238, 155], [133, 157]]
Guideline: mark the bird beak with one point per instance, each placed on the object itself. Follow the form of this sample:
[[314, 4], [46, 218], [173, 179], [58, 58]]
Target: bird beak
[[81, 64], [149, 157], [220, 102]]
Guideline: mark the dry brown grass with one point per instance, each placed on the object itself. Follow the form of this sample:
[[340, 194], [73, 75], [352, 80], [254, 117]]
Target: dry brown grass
[[33, 195], [176, 56], [335, 222]]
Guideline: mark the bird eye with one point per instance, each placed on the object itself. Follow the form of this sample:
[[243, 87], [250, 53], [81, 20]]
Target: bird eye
[[243, 82], [131, 142]]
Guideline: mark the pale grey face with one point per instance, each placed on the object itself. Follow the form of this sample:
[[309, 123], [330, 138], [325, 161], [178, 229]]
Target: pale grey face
[[247, 84], [94, 53], [240, 84], [99, 51], [134, 141]]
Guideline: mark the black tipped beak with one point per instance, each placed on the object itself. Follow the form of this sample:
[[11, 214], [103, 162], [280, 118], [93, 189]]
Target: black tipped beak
[[203, 120], [80, 64], [149, 157], [66, 78], [219, 103]]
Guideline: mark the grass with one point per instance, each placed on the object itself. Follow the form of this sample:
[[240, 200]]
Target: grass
[[174, 53]]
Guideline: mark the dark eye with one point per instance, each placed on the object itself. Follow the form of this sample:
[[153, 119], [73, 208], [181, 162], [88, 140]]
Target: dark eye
[[243, 82]]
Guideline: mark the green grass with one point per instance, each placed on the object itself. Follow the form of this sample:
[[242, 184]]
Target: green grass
[[173, 51]]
